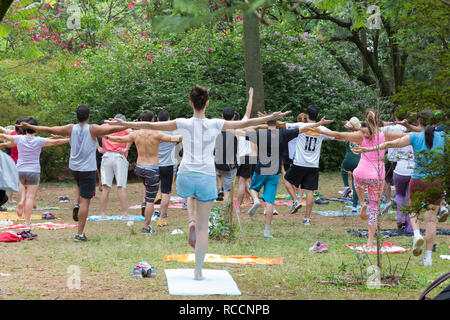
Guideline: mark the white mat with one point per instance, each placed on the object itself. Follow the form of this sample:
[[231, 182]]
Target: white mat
[[181, 283]]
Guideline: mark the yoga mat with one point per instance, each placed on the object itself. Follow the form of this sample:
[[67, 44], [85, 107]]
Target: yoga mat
[[14, 208], [445, 257], [224, 259], [386, 247], [119, 218], [342, 200], [341, 213], [359, 206], [277, 203], [39, 226], [395, 233], [157, 206], [181, 283], [13, 216]]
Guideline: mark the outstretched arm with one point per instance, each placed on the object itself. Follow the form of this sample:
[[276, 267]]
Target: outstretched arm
[[100, 131], [308, 126], [353, 137], [5, 131], [248, 109], [399, 143], [409, 126], [55, 142], [168, 138], [7, 137], [163, 126], [253, 122], [390, 136], [64, 131], [8, 144], [129, 138]]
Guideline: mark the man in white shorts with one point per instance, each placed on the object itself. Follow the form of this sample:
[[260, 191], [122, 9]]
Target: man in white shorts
[[115, 165]]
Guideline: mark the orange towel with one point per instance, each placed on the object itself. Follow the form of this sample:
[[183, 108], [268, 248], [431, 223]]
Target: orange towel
[[221, 258]]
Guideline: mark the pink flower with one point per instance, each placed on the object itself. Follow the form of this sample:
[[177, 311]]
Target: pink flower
[[148, 16], [77, 64], [321, 40], [208, 49], [149, 57], [130, 5]]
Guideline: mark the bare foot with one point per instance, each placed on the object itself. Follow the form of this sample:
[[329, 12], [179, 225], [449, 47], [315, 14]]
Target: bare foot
[[363, 213], [20, 210], [191, 236], [198, 277]]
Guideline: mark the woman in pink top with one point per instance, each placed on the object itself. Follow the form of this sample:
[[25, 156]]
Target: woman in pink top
[[370, 171]]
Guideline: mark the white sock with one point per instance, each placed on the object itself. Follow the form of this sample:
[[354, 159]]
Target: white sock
[[428, 254], [256, 201], [267, 228], [417, 233]]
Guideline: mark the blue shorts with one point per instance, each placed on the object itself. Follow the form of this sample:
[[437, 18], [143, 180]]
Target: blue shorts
[[202, 186], [270, 184]]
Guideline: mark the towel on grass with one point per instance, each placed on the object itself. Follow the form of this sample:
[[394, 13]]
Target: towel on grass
[[157, 206], [363, 233], [14, 208], [341, 213], [224, 259], [181, 283], [13, 216], [277, 203], [39, 226], [386, 247], [119, 218], [8, 236]]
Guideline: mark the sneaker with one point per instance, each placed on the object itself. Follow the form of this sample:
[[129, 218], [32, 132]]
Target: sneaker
[[321, 201], [295, 207], [148, 230], [157, 213], [306, 222], [442, 214], [184, 207], [143, 206], [267, 235], [253, 209], [427, 262], [220, 195], [275, 212], [319, 247], [417, 245], [76, 208], [80, 238], [27, 235], [158, 199], [3, 208], [354, 210], [346, 192]]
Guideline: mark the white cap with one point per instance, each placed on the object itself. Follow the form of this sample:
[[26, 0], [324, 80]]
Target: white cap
[[353, 123]]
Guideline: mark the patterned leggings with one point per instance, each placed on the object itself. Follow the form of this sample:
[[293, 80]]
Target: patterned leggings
[[375, 189]]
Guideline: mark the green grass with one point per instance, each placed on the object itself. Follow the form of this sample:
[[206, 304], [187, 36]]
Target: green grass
[[38, 268]]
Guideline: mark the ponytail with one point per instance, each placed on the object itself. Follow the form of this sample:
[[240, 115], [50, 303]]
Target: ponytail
[[372, 122], [429, 136]]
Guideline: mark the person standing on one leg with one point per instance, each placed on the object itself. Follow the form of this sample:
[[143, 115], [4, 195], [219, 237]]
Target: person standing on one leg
[[115, 165], [197, 175], [82, 162], [147, 166], [422, 142], [370, 172]]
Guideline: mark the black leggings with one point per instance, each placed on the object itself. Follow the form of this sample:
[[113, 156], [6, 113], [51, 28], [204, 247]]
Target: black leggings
[[3, 197]]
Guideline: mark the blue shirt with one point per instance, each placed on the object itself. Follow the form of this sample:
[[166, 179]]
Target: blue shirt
[[418, 143]]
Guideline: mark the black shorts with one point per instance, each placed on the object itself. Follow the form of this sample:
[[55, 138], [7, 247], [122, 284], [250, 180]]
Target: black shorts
[[303, 177], [389, 168], [166, 178], [86, 181], [246, 170], [150, 178], [287, 165]]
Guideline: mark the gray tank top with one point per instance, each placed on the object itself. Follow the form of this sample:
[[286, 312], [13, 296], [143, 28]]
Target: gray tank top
[[82, 149]]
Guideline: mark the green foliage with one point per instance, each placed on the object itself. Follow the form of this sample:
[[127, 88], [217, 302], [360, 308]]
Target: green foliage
[[218, 226]]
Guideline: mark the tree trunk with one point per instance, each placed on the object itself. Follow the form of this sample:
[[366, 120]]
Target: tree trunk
[[252, 62], [4, 6]]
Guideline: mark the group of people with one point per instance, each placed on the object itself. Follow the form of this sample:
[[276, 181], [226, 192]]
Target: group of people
[[214, 151]]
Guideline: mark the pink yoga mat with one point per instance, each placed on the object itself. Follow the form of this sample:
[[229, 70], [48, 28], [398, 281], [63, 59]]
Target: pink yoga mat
[[279, 203]]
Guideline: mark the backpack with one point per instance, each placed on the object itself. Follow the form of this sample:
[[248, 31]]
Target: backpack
[[443, 295]]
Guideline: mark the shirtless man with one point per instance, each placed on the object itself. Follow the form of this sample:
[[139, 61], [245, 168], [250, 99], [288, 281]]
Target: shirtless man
[[147, 167]]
